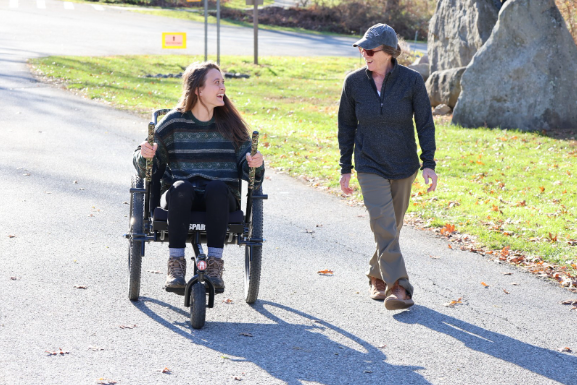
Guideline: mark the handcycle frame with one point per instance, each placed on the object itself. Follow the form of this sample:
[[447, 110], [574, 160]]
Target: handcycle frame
[[147, 225]]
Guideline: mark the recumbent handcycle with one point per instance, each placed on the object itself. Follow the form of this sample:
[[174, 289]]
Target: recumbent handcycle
[[148, 223]]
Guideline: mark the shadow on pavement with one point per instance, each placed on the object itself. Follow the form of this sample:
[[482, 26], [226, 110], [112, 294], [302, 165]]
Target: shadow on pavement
[[292, 346], [551, 364]]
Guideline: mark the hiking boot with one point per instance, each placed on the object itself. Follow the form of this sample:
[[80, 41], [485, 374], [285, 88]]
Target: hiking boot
[[378, 288], [214, 269], [398, 298], [176, 273]]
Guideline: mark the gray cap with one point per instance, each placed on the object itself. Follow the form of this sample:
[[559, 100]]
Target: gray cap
[[377, 35]]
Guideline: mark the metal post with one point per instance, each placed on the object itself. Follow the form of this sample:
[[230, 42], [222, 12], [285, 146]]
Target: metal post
[[255, 22], [205, 30], [218, 32]]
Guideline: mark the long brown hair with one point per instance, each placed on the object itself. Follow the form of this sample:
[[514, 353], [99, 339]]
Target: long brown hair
[[227, 118]]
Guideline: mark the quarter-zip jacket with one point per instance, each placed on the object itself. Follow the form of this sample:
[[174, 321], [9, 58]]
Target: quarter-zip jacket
[[380, 129]]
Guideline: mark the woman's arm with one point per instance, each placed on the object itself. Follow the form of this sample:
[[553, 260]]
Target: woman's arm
[[425, 131], [347, 126], [425, 124]]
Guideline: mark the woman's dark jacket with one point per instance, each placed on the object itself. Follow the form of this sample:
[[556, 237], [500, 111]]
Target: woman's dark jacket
[[380, 128]]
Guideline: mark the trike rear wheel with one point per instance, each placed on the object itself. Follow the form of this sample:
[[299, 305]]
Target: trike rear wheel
[[253, 254], [135, 247]]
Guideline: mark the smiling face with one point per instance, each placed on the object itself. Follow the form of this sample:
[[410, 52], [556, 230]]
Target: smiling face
[[379, 61], [212, 93]]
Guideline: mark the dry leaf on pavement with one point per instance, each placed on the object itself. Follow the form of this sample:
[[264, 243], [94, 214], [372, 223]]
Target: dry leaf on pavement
[[505, 291], [61, 352], [565, 350], [80, 287], [325, 272], [245, 334], [484, 284], [127, 326], [454, 302]]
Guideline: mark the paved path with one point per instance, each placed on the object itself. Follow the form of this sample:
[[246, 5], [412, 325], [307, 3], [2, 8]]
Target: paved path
[[65, 168]]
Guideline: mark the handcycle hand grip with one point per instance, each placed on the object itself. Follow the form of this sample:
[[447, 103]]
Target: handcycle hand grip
[[253, 150], [150, 139]]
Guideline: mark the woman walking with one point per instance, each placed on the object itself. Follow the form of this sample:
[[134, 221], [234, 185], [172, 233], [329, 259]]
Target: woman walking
[[375, 120], [205, 146]]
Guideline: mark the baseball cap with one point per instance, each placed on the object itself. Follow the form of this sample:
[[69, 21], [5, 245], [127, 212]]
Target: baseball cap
[[378, 34]]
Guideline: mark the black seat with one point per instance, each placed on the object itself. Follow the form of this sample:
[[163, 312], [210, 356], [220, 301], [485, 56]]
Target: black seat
[[197, 220]]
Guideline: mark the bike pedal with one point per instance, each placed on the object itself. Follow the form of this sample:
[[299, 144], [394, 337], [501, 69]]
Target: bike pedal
[[175, 290]]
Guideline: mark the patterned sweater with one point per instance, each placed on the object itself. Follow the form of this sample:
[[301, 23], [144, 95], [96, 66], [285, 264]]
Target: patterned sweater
[[191, 148]]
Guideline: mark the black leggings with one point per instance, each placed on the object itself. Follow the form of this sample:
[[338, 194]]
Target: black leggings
[[213, 197]]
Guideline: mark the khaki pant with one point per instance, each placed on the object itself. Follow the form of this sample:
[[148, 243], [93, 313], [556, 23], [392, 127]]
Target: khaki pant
[[387, 201]]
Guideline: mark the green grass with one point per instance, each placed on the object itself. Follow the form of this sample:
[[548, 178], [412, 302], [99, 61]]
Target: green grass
[[505, 188]]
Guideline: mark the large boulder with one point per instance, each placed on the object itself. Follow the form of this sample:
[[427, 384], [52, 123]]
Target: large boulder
[[444, 87], [525, 76], [423, 69], [457, 30]]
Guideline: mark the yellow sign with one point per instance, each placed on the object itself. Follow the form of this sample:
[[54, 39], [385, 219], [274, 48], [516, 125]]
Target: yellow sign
[[174, 40]]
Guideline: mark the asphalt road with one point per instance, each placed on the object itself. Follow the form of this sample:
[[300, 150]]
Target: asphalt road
[[65, 170]]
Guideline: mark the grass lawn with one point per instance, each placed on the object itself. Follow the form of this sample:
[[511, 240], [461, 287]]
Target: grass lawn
[[509, 190]]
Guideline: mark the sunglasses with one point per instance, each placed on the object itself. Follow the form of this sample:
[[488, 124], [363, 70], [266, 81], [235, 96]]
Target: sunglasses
[[369, 52]]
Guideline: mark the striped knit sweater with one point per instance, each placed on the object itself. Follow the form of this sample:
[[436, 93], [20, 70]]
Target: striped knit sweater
[[192, 148]]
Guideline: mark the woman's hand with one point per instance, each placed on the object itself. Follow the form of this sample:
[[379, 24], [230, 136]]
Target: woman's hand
[[430, 173], [254, 161], [147, 151], [345, 180]]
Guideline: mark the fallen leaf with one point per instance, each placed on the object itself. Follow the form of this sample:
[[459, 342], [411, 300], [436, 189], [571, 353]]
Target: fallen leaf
[[127, 326], [382, 346], [484, 284], [104, 381], [507, 273], [542, 188], [514, 284], [570, 302], [94, 348], [505, 291], [61, 352], [154, 271], [309, 231], [228, 300], [447, 229], [565, 350], [505, 251], [80, 287], [26, 174], [165, 370], [11, 236], [325, 272], [13, 278], [454, 302], [450, 247], [245, 334], [238, 378]]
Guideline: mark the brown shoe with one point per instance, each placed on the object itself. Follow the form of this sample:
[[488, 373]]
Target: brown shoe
[[378, 288], [215, 267], [398, 299], [176, 273]]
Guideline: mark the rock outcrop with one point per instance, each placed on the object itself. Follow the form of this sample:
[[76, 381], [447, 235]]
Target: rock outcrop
[[457, 30], [525, 76], [444, 87]]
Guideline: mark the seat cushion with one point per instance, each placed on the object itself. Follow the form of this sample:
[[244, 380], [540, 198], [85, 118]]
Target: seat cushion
[[197, 217]]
